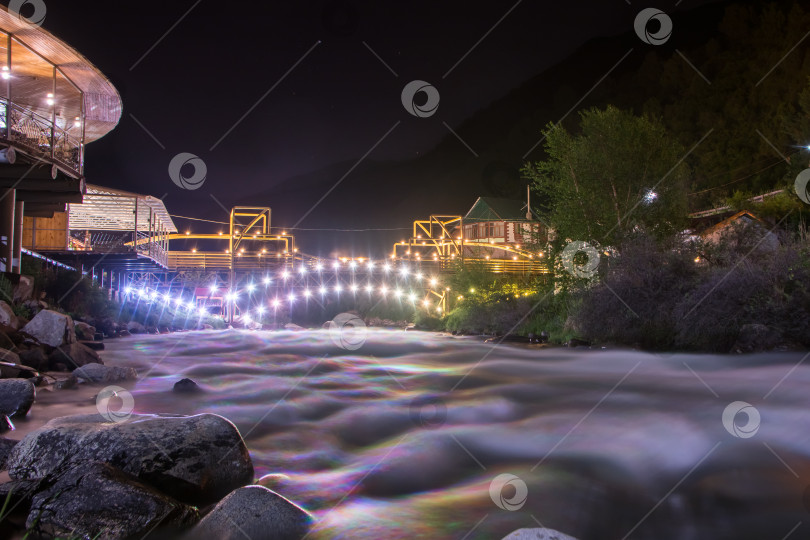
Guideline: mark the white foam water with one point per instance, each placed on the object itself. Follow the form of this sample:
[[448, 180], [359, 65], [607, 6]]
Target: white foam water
[[403, 437]]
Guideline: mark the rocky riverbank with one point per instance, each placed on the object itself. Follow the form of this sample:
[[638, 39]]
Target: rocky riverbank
[[111, 474]]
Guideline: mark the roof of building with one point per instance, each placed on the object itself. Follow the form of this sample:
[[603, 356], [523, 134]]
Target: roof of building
[[107, 209], [743, 216], [34, 56], [496, 209]]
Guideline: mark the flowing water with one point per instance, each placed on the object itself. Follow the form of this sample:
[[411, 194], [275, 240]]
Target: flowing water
[[409, 435]]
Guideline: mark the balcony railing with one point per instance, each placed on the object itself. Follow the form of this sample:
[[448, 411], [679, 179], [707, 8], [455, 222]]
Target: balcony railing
[[40, 137]]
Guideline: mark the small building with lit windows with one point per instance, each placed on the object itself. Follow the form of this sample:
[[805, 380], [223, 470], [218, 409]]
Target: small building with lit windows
[[493, 222]]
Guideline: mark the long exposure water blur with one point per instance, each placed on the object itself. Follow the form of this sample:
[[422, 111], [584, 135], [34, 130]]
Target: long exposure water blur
[[405, 437]]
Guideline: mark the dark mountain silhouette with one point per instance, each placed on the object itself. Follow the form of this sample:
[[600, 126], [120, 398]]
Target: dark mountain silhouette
[[448, 179]]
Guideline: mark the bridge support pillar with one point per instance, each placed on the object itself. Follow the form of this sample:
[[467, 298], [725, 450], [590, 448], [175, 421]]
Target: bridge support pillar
[[7, 229], [19, 207]]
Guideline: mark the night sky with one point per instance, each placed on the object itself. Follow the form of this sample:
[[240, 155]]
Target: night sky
[[218, 62]]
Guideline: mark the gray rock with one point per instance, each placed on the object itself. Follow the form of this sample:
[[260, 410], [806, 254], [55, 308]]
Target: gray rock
[[24, 288], [6, 314], [99, 373], [84, 331], [16, 396], [9, 357], [16, 371], [100, 502], [135, 327], [5, 449], [196, 459], [51, 328], [74, 355], [537, 534], [261, 514], [67, 383], [186, 386], [34, 358], [19, 322]]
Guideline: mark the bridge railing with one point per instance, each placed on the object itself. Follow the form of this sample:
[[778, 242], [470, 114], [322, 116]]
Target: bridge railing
[[220, 261], [41, 137]]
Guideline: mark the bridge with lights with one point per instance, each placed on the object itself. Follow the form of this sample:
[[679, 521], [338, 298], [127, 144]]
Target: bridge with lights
[[122, 240]]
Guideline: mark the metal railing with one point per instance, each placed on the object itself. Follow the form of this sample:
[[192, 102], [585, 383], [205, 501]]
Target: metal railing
[[40, 137], [220, 261]]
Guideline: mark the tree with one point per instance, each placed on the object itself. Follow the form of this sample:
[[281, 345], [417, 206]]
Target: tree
[[621, 174]]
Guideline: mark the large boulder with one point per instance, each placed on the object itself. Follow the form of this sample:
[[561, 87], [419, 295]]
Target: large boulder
[[537, 534], [7, 315], [261, 514], [196, 459], [100, 502], [74, 355], [99, 373], [52, 328], [16, 396]]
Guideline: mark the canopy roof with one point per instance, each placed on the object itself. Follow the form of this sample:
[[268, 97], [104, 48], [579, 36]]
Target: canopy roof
[[495, 209], [35, 53], [106, 209]]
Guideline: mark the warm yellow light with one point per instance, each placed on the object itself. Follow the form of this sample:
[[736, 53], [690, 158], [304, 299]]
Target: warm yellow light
[[194, 250], [188, 233]]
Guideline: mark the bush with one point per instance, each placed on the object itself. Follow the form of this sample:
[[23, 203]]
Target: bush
[[659, 297]]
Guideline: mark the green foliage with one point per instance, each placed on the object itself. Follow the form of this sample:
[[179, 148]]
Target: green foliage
[[661, 298], [784, 208], [743, 100], [6, 290], [595, 182]]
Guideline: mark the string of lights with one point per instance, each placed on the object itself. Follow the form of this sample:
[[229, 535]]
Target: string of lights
[[290, 286]]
